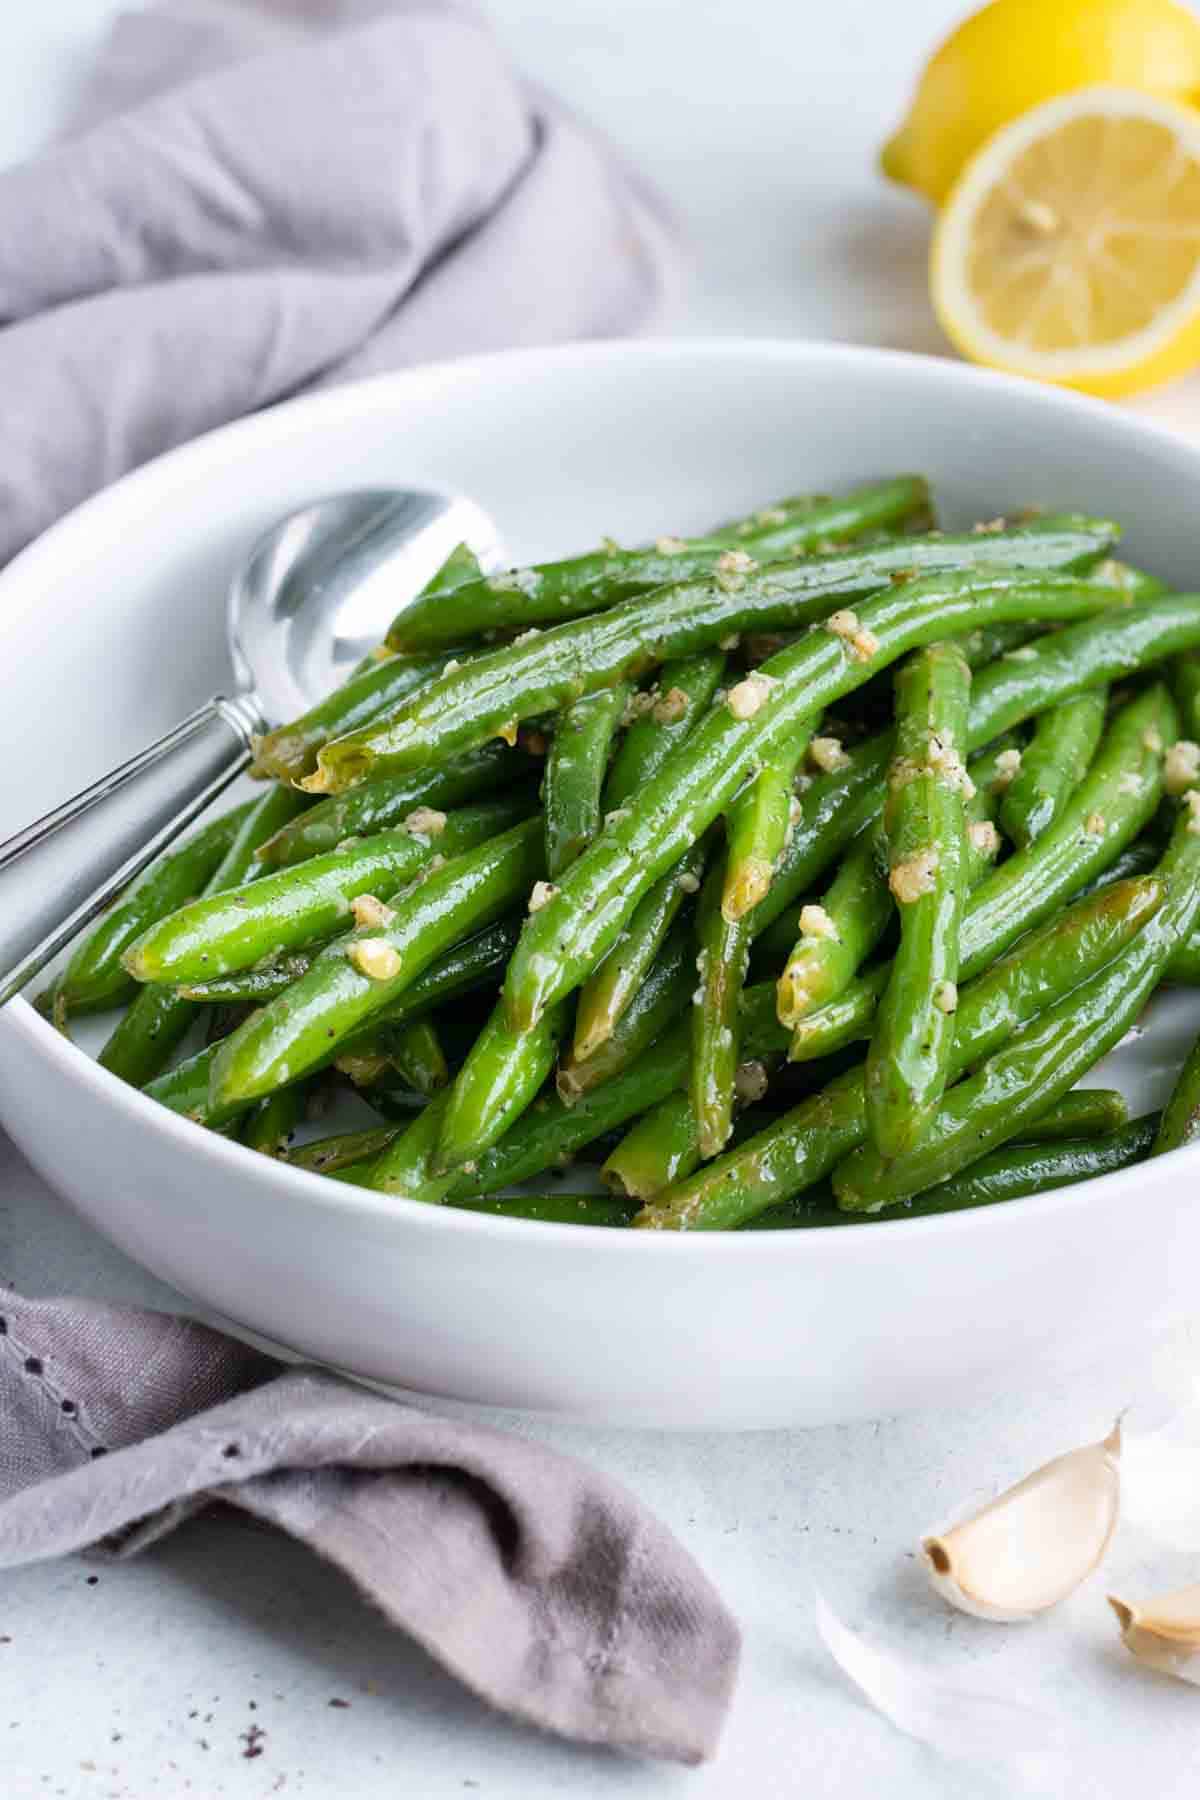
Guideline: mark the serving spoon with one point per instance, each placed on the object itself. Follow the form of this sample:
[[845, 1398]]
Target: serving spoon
[[316, 594]]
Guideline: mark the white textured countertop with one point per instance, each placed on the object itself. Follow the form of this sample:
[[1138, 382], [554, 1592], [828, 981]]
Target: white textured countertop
[[760, 118]]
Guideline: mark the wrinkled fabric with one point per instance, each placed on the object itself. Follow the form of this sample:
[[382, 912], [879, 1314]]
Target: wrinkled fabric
[[542, 1585], [256, 199]]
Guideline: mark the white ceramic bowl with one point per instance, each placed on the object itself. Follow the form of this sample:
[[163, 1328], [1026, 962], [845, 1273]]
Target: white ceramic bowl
[[112, 628]]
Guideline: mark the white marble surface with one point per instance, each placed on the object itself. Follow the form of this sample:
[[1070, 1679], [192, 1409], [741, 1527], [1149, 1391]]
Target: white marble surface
[[760, 120]]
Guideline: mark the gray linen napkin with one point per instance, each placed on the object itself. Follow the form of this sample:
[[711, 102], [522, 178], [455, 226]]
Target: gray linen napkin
[[541, 1584], [253, 199]]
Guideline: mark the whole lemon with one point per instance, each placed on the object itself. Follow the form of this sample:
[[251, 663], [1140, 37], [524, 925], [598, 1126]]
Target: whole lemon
[[1013, 54]]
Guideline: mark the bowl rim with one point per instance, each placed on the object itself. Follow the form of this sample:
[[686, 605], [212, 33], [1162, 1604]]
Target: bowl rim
[[20, 1020]]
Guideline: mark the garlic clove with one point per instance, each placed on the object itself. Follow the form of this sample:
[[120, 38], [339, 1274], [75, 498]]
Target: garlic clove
[[1033, 1545], [1165, 1633]]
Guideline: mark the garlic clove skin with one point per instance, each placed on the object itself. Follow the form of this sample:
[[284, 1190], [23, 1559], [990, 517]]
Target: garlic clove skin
[[1035, 1543], [1165, 1633]]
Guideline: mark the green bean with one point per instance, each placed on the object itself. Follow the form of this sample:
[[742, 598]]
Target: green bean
[[268, 1127], [1115, 800], [405, 1168], [489, 697], [184, 1089], [575, 769], [1043, 1059], [661, 1147], [837, 934], [610, 989], [416, 1052], [159, 1018], [926, 827], [1083, 1113], [757, 822], [849, 1018], [553, 1209], [290, 751], [325, 1156], [308, 903], [242, 985], [96, 979], [1053, 764], [378, 804], [659, 1000], [805, 1144], [503, 1072], [1031, 885], [835, 808], [357, 977], [1011, 1173], [552, 1132], [757, 726], [756, 828], [1185, 685], [1181, 1117], [666, 715], [548, 593], [1087, 654]]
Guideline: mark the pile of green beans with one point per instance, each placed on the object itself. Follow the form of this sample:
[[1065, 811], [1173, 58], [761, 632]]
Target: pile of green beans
[[791, 875]]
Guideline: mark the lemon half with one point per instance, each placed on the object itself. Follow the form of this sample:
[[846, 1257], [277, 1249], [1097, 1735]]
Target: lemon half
[[1069, 249]]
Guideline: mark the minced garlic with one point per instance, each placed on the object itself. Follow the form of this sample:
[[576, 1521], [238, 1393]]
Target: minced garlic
[[671, 707], [828, 754], [542, 894], [1182, 767], [750, 696], [426, 821], [367, 910], [816, 922], [375, 958], [914, 876]]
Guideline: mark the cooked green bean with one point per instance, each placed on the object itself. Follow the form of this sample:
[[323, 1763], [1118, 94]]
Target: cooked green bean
[[308, 903], [378, 804], [1181, 1117], [849, 1018], [552, 1132], [1044, 1058], [661, 1147], [575, 770], [553, 1209], [325, 1156], [925, 823], [253, 985], [1185, 685], [269, 1126], [660, 999], [415, 1051], [158, 1019], [1053, 764], [1083, 1113], [837, 934], [405, 1167], [96, 978], [290, 751], [609, 990], [665, 715], [805, 1144], [1011, 1173], [490, 696], [356, 978], [502, 1073], [757, 726], [1115, 800], [756, 826], [548, 593]]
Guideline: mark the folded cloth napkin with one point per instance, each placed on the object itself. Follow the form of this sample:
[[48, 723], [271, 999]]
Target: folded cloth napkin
[[251, 200], [541, 1584], [257, 198]]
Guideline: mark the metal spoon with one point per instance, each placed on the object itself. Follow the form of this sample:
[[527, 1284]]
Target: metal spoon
[[316, 593]]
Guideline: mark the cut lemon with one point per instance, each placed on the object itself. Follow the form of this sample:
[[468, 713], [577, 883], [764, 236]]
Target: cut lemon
[[1069, 249], [1014, 54]]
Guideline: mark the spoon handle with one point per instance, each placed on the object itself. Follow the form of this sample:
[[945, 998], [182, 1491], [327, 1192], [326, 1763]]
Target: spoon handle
[[62, 870]]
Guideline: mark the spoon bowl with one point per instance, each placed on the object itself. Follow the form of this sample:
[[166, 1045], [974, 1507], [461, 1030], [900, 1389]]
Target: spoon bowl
[[316, 593]]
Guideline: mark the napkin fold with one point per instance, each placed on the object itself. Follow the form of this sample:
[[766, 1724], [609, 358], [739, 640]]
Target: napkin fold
[[541, 1584], [253, 199]]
